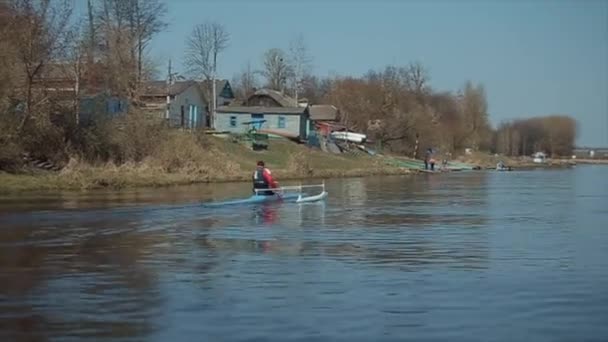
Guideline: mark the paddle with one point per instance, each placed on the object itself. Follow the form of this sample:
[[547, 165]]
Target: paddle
[[278, 193]]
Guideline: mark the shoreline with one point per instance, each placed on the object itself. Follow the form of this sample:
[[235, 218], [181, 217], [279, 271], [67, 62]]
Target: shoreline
[[44, 182], [87, 177]]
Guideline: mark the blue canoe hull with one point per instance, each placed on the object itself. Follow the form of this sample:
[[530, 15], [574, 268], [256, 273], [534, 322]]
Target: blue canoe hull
[[257, 199]]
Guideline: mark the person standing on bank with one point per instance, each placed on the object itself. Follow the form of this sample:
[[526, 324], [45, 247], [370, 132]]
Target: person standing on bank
[[427, 157], [262, 179]]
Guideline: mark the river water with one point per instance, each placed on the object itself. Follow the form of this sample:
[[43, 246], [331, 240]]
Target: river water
[[466, 256]]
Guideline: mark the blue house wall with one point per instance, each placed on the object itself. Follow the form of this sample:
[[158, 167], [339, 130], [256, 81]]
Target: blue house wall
[[101, 106]]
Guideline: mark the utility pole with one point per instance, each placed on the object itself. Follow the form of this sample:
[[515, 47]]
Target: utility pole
[[92, 47], [296, 86], [213, 114], [297, 82], [416, 146], [169, 81]]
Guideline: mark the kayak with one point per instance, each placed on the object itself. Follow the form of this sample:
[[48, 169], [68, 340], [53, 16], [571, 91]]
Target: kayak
[[281, 196], [254, 199]]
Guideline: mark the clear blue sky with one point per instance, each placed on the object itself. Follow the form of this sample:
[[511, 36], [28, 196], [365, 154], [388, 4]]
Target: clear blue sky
[[534, 57]]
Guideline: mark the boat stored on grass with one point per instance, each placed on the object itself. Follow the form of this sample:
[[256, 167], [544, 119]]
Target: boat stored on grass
[[349, 136]]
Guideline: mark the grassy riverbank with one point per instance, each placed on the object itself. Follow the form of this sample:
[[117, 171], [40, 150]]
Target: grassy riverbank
[[182, 160]]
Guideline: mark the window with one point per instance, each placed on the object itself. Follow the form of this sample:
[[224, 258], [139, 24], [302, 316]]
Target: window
[[281, 123], [233, 121]]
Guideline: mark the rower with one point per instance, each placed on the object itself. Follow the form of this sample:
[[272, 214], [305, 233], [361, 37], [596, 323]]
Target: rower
[[262, 179]]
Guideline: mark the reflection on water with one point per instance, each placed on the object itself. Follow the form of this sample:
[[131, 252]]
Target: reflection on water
[[463, 256]]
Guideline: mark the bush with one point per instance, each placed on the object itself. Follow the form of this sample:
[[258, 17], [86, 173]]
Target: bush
[[132, 138], [10, 157], [300, 163], [183, 152], [135, 137]]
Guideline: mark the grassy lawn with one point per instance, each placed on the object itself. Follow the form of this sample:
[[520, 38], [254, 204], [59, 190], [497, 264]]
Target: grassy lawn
[[280, 152]]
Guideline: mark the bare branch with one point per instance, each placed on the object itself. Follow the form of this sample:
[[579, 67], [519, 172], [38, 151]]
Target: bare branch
[[127, 27], [416, 77], [245, 82], [300, 62], [203, 46], [276, 69]]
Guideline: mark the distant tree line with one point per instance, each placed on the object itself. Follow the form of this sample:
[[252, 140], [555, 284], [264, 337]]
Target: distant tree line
[[551, 134]]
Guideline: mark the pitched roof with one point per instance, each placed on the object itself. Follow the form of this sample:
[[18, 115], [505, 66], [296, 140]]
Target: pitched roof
[[219, 84], [261, 110], [282, 99], [323, 112], [220, 87], [159, 88]]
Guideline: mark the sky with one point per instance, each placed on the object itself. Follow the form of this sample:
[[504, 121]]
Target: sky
[[534, 57]]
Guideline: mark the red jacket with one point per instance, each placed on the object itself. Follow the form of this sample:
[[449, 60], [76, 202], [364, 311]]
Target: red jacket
[[268, 177]]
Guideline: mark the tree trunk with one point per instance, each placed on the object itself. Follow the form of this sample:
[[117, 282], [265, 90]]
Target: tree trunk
[[28, 104], [139, 62]]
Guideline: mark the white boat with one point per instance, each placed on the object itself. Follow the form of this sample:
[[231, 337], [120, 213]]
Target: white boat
[[349, 136], [539, 157]]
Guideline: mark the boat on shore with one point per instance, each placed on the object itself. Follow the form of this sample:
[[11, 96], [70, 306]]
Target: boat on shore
[[349, 136], [502, 167]]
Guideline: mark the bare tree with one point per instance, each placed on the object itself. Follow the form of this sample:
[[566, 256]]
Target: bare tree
[[38, 28], [245, 82], [475, 114], [116, 46], [276, 69], [76, 53], [416, 77], [127, 27], [300, 62], [203, 46], [146, 20]]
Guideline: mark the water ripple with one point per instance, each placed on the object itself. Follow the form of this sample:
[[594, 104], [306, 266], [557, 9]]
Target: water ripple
[[459, 257]]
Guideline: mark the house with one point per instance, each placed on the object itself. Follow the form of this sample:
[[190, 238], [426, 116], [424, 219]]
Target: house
[[281, 115], [223, 90], [270, 98], [187, 105], [327, 113], [223, 93], [101, 105], [324, 118], [66, 88]]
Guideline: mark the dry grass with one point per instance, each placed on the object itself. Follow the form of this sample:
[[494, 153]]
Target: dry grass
[[185, 158]]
